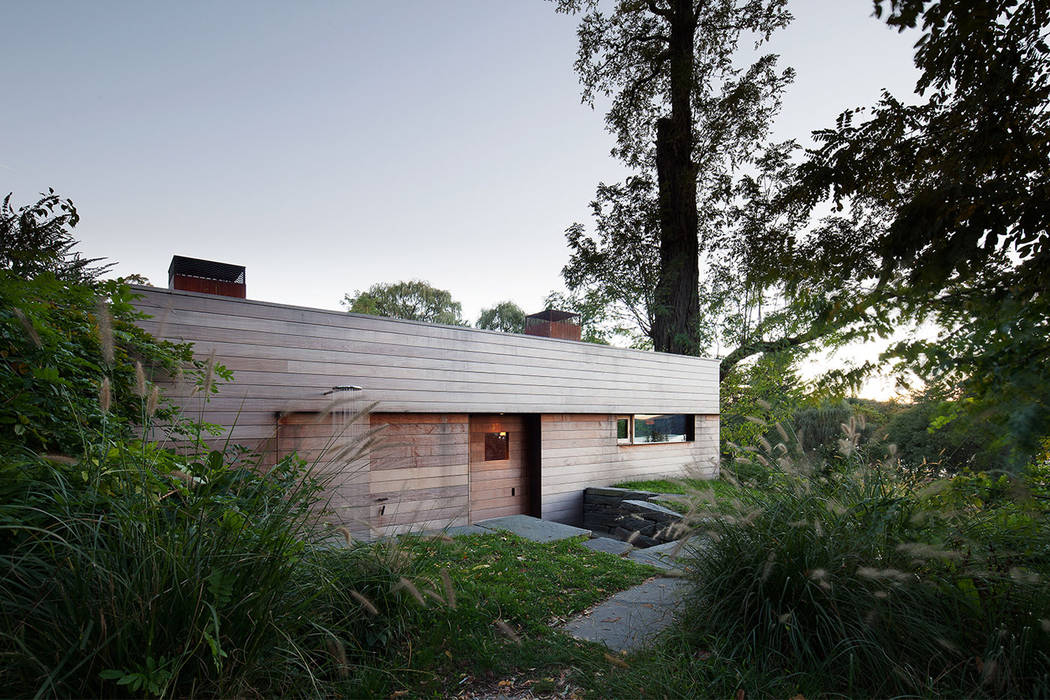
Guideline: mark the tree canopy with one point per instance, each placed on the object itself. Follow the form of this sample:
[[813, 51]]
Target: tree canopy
[[37, 238], [506, 317], [413, 300], [939, 200], [691, 118], [953, 190]]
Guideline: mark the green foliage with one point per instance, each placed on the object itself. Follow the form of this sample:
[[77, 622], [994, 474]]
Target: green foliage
[[951, 188], [931, 435], [818, 427], [126, 567], [506, 317], [175, 575], [414, 300], [997, 342], [928, 437], [755, 396], [35, 239], [619, 262], [689, 113], [59, 341], [862, 583], [623, 55]]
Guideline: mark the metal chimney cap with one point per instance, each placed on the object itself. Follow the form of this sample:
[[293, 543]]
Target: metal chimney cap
[[205, 269]]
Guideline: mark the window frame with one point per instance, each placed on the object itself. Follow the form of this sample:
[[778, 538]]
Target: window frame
[[630, 440]]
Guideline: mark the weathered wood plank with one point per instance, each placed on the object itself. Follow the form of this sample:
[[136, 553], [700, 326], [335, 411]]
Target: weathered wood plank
[[163, 301], [466, 367]]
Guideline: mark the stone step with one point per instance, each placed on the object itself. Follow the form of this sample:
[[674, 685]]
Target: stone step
[[631, 619], [533, 528]]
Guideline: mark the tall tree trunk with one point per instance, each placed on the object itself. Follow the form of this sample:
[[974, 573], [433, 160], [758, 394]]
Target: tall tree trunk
[[677, 288]]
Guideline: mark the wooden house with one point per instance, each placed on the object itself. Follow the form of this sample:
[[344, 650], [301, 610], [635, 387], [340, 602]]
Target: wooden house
[[473, 424]]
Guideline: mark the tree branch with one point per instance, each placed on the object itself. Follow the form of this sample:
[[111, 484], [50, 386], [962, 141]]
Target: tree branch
[[764, 346], [820, 328], [636, 85], [666, 13], [650, 37]]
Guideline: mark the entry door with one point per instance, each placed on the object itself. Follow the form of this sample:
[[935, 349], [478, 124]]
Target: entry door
[[498, 477]]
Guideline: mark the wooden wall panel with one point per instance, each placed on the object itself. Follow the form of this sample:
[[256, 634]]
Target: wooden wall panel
[[498, 487], [285, 357], [581, 450], [420, 468], [330, 443]]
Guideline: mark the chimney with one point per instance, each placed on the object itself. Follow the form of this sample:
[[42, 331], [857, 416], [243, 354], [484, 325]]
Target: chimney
[[195, 275], [553, 324]]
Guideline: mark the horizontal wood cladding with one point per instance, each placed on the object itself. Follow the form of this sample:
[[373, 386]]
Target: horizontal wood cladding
[[580, 450], [498, 487], [330, 444], [419, 471], [284, 358]]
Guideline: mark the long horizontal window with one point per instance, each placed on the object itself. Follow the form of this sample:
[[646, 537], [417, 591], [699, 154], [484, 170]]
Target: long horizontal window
[[655, 428]]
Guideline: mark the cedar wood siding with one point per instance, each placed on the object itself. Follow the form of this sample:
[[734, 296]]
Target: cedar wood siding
[[285, 357], [580, 450]]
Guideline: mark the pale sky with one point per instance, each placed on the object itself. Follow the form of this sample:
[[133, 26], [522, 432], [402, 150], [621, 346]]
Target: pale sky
[[330, 145]]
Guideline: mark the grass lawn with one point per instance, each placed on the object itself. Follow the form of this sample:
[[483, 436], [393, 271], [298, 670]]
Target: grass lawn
[[532, 588], [682, 486], [499, 625]]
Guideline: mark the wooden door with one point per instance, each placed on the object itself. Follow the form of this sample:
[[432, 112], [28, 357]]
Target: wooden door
[[498, 475]]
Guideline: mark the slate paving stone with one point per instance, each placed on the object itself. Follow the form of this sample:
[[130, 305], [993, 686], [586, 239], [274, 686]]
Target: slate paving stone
[[631, 619], [607, 544], [533, 528], [664, 556], [657, 556], [465, 530]]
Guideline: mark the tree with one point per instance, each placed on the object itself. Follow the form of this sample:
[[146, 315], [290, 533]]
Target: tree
[[73, 361], [505, 317], [620, 262], [414, 300], [36, 238], [597, 324], [956, 188], [745, 304], [682, 108]]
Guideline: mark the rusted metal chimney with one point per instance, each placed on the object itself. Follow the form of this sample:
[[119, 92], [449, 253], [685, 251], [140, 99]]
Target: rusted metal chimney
[[195, 275], [553, 324]]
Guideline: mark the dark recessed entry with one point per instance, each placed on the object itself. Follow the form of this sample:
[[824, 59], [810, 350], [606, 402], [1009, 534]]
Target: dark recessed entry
[[497, 446]]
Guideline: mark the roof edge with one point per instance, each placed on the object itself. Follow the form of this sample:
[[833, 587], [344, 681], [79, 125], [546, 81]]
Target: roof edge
[[334, 312]]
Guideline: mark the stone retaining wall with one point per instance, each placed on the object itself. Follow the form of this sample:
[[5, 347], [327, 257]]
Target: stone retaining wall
[[628, 515]]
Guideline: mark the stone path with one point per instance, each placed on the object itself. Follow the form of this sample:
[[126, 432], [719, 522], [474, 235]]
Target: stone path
[[533, 528], [631, 619], [662, 556]]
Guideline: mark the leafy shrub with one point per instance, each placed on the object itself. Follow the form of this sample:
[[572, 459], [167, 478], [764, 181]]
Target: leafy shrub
[[126, 567], [755, 395], [850, 574], [932, 435], [59, 342], [173, 575], [36, 239], [819, 427]]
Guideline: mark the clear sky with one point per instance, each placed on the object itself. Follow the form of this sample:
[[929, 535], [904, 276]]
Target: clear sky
[[330, 145]]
